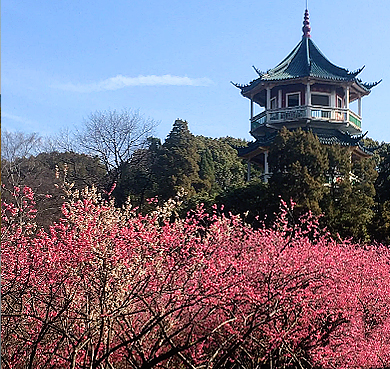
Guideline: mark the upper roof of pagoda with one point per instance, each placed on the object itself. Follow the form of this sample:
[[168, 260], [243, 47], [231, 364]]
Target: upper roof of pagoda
[[307, 60]]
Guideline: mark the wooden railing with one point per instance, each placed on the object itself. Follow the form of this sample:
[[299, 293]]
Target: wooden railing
[[355, 119], [308, 112]]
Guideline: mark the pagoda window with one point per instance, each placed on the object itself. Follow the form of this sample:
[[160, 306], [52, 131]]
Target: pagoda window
[[273, 103], [320, 99], [293, 99]]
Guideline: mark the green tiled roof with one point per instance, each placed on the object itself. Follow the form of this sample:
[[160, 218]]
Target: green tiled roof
[[325, 136], [306, 60], [336, 137]]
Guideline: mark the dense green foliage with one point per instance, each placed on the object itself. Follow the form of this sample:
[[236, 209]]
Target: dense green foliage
[[352, 195], [179, 163], [348, 206], [381, 224], [325, 180], [298, 164], [198, 167]]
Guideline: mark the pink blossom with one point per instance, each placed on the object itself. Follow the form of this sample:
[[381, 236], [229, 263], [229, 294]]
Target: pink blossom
[[106, 287]]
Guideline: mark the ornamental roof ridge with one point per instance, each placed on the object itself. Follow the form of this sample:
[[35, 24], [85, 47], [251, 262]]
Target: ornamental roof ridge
[[259, 72], [369, 85], [306, 60], [357, 71]]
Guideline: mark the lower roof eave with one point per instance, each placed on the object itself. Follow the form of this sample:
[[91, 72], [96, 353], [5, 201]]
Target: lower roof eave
[[250, 154], [357, 151]]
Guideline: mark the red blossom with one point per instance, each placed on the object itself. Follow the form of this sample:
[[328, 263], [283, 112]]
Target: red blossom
[[110, 288]]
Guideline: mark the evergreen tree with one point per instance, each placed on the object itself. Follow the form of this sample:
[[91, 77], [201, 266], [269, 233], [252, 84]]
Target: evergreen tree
[[298, 163], [381, 225], [207, 169], [382, 183], [202, 166], [221, 163], [251, 201], [348, 207], [178, 163], [325, 180]]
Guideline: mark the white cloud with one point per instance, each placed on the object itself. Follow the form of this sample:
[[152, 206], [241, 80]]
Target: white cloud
[[16, 118], [118, 82]]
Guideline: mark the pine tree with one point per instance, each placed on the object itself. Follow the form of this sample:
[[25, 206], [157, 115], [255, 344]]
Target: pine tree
[[178, 163], [382, 183], [207, 169], [298, 163], [220, 163], [348, 207], [380, 229]]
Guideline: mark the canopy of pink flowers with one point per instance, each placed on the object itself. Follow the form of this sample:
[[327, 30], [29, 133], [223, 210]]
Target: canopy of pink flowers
[[109, 288]]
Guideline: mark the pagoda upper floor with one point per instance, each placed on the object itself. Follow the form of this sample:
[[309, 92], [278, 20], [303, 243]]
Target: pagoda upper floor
[[306, 89]]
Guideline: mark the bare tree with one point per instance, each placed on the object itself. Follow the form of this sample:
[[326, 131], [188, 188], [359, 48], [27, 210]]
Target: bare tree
[[114, 136], [63, 141], [17, 148], [19, 144]]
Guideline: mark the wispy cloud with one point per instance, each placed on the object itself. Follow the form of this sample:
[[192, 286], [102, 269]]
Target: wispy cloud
[[120, 81], [16, 118]]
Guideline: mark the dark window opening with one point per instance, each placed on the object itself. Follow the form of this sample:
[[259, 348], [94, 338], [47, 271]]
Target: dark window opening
[[322, 100], [293, 100]]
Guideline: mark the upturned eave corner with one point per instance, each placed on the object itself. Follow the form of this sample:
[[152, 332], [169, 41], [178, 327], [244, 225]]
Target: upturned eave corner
[[306, 90]]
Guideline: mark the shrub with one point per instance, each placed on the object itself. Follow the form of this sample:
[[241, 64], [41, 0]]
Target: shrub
[[109, 288]]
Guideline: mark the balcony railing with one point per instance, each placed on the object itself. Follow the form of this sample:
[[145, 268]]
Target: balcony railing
[[306, 112], [355, 119]]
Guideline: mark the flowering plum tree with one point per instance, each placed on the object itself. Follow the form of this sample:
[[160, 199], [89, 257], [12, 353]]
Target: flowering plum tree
[[110, 288]]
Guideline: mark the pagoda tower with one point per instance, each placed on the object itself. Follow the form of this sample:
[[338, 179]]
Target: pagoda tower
[[305, 90]]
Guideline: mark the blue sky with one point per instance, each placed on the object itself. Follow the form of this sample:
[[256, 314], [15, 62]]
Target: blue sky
[[63, 60]]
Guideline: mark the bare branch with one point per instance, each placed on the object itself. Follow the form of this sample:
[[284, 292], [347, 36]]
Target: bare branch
[[19, 145], [115, 136]]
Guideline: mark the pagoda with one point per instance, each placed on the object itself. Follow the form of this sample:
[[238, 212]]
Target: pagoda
[[305, 90]]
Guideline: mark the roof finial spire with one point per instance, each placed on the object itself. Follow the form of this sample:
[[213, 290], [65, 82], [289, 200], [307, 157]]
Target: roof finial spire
[[306, 23]]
